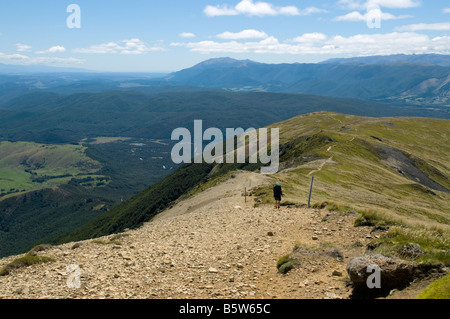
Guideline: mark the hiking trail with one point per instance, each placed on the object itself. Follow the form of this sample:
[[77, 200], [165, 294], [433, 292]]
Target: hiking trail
[[212, 245]]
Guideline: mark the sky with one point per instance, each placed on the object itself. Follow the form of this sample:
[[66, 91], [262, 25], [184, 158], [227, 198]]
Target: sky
[[166, 36]]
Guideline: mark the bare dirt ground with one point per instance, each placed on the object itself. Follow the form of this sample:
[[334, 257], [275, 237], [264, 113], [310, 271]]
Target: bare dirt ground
[[214, 245]]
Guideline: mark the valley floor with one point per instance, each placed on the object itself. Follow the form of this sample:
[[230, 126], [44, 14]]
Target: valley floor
[[213, 245]]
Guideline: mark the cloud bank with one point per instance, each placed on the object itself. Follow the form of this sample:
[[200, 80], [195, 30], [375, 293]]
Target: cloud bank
[[320, 44], [251, 8], [132, 46]]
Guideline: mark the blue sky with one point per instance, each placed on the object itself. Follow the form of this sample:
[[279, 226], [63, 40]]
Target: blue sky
[[163, 36]]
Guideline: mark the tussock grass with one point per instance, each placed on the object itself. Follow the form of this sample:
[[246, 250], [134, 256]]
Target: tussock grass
[[332, 207], [39, 248], [105, 242], [435, 245], [357, 177], [439, 289], [30, 258], [23, 262], [373, 218]]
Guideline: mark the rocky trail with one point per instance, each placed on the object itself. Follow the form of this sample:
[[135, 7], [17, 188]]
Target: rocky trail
[[213, 245]]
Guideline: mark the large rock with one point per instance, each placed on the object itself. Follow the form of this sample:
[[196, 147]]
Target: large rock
[[394, 273]]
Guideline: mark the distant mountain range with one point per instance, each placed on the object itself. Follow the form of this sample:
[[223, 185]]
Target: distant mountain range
[[412, 80], [436, 59]]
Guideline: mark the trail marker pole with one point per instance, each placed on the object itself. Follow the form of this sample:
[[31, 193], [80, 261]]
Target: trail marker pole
[[310, 191]]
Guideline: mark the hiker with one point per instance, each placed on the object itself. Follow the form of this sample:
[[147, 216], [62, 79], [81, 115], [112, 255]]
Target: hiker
[[277, 193]]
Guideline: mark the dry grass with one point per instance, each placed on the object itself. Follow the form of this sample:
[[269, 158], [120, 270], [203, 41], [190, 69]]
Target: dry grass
[[358, 179]]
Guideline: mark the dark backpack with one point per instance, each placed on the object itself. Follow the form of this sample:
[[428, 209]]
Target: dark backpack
[[277, 191]]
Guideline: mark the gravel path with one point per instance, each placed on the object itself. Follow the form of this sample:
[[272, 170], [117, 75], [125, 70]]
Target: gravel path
[[213, 245]]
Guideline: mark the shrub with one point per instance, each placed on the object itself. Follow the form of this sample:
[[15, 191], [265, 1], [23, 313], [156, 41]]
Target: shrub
[[286, 264], [286, 267], [283, 260]]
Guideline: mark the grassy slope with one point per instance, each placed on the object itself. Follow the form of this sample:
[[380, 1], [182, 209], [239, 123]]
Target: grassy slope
[[340, 151], [440, 289], [26, 166], [354, 176], [36, 200]]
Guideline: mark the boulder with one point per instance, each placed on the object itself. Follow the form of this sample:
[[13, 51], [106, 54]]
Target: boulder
[[394, 273]]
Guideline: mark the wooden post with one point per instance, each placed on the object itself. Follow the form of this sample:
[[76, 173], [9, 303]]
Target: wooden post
[[310, 191]]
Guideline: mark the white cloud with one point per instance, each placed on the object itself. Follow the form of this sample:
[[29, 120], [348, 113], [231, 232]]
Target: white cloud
[[26, 60], [187, 35], [319, 44], [425, 27], [351, 4], [269, 45], [23, 47], [394, 4], [258, 8], [14, 57], [216, 11], [310, 38], [54, 49], [262, 8], [132, 46], [357, 16], [311, 10], [352, 16], [57, 49], [245, 34], [446, 10], [391, 4], [56, 60]]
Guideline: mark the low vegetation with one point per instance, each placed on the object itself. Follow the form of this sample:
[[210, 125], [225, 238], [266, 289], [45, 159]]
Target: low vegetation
[[103, 242], [371, 218], [31, 258], [409, 220], [26, 166], [440, 289], [427, 247], [286, 264]]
